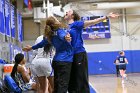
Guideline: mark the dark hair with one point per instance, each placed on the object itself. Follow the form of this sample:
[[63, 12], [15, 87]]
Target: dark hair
[[18, 58], [51, 27], [48, 48], [76, 16]]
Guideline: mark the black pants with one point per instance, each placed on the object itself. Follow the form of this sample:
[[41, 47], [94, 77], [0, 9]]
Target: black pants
[[117, 70], [79, 74], [61, 76]]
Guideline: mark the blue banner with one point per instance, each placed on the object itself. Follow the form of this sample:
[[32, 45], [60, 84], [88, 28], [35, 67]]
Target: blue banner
[[97, 31], [26, 2], [19, 23], [13, 30], [7, 18], [2, 18]]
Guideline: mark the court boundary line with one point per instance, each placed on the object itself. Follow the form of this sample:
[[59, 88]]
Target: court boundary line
[[93, 88]]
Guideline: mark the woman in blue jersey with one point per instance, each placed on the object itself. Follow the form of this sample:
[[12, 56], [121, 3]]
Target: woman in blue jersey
[[122, 61], [63, 57], [79, 74]]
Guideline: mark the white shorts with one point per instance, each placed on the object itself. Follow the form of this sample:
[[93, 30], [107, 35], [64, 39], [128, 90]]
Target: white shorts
[[41, 67]]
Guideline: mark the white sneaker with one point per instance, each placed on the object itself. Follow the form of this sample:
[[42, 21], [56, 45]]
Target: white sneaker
[[122, 81], [125, 76]]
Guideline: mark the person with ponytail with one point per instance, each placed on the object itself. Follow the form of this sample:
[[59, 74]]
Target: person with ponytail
[[41, 67], [63, 58], [21, 75]]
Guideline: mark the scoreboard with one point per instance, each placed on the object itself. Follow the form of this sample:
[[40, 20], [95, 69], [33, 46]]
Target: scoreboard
[[97, 31]]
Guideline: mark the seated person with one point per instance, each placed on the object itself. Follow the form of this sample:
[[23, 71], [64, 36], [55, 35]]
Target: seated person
[[21, 74]]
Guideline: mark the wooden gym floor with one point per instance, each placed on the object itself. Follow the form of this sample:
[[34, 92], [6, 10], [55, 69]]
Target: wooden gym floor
[[113, 84]]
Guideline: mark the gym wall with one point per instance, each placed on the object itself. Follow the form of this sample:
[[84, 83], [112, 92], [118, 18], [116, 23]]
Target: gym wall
[[103, 52]]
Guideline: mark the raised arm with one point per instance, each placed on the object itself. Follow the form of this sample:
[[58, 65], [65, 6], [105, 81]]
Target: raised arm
[[39, 45], [35, 51], [98, 20]]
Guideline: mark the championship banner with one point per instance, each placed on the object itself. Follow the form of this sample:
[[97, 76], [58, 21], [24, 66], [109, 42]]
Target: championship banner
[[19, 25], [13, 30], [97, 31], [7, 18], [2, 18]]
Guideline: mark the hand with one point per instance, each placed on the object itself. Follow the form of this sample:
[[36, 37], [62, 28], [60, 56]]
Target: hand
[[117, 62], [27, 48], [68, 38], [112, 15], [126, 62]]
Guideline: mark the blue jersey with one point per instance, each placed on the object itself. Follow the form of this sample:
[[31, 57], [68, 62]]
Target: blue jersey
[[121, 59], [64, 50], [76, 30]]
